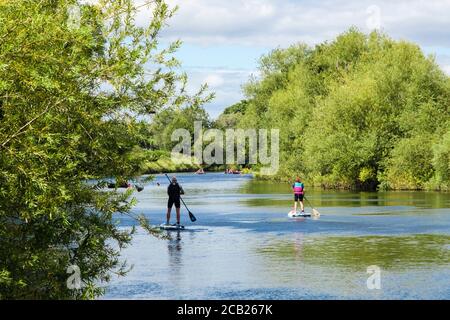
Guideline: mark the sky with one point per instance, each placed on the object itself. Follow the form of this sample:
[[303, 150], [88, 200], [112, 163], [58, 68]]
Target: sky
[[223, 39]]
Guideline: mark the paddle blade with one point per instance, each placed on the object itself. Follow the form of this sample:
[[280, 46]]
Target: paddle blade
[[192, 217], [315, 212]]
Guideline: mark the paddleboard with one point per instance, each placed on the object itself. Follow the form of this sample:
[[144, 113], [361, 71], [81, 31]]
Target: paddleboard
[[171, 227], [298, 214]]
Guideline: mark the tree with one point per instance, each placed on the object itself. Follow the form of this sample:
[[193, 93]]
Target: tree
[[70, 99], [355, 112], [231, 115], [170, 119]]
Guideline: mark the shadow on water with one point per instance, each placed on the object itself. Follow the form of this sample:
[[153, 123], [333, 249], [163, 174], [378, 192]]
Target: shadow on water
[[387, 252]]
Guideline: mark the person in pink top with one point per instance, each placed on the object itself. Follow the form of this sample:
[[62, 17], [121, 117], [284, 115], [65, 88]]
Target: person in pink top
[[299, 191]]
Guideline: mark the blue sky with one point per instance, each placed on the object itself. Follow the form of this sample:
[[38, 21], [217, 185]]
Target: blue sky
[[223, 40]]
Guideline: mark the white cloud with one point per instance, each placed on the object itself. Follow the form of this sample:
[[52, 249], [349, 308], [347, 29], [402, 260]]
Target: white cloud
[[446, 69], [282, 22], [214, 80], [88, 2], [224, 82], [442, 59], [273, 23]]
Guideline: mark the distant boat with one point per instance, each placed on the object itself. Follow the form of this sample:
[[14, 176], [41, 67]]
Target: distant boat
[[124, 185], [200, 171], [113, 185], [232, 172]]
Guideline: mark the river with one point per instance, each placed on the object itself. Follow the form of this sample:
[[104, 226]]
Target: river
[[244, 246]]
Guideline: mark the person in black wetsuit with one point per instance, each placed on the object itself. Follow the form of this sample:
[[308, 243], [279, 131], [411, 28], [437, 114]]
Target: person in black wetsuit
[[174, 190]]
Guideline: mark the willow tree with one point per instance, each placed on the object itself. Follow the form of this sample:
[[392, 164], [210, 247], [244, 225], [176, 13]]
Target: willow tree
[[360, 111], [75, 80]]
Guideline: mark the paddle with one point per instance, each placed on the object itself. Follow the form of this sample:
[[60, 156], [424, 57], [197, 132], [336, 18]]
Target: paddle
[[315, 212], [191, 215]]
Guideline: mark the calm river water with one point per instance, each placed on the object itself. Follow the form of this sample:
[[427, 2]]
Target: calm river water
[[243, 245]]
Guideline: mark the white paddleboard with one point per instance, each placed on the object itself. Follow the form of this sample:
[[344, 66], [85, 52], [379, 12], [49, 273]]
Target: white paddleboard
[[171, 227], [298, 214]]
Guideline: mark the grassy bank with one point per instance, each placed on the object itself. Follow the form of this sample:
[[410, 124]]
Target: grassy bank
[[159, 161]]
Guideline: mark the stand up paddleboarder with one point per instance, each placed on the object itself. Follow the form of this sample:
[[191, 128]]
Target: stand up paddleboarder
[[299, 190], [174, 190]]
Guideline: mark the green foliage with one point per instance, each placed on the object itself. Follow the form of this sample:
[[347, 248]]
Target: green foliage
[[410, 164], [231, 115], [239, 107], [441, 163], [170, 119], [360, 111], [70, 101], [160, 161]]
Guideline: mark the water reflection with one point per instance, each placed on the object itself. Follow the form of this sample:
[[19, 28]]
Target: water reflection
[[297, 246], [387, 252], [271, 194], [175, 254]]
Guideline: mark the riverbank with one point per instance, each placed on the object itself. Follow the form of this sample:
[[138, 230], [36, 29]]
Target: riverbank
[[352, 186], [160, 161]]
